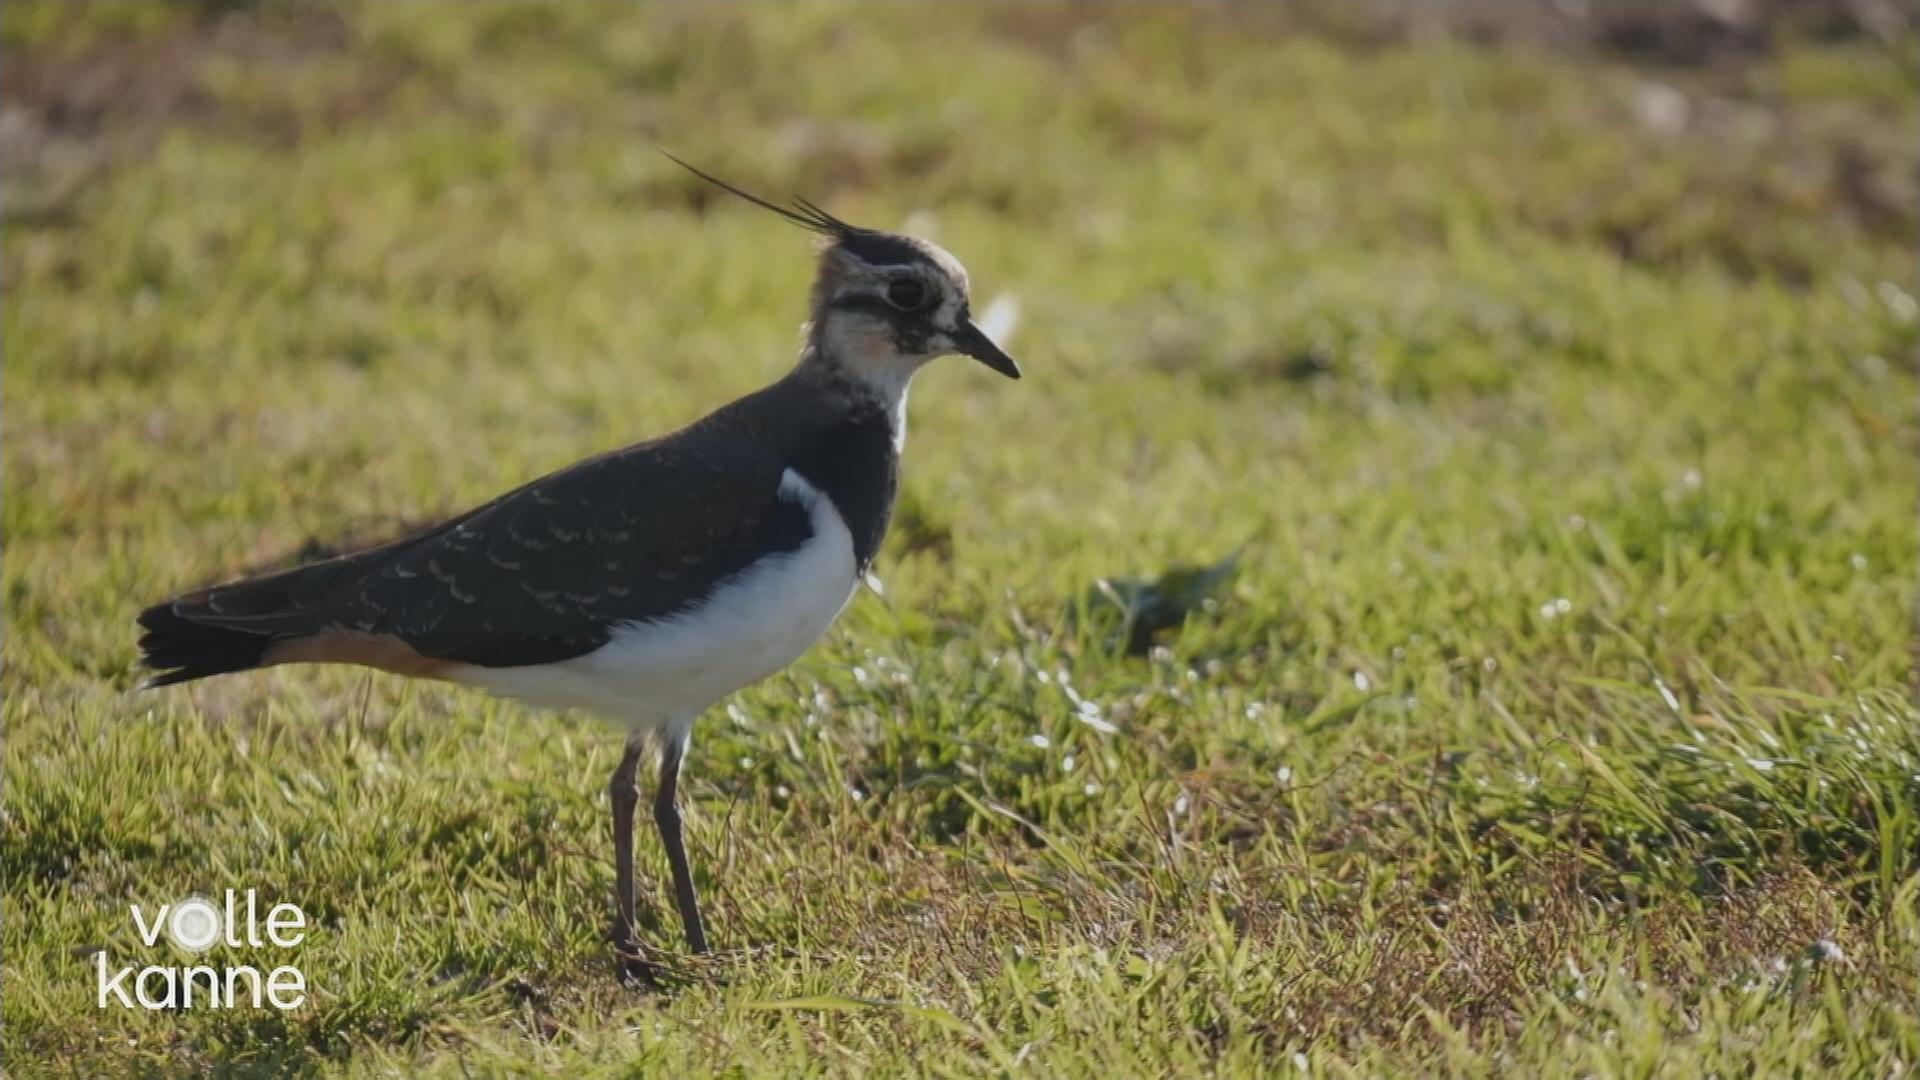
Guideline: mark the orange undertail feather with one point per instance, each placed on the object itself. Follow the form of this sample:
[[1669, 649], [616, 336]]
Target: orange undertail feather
[[257, 623]]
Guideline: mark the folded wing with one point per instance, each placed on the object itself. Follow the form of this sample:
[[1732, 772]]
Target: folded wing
[[542, 574]]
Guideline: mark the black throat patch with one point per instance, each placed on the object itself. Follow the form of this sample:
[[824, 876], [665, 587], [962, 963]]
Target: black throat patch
[[854, 461]]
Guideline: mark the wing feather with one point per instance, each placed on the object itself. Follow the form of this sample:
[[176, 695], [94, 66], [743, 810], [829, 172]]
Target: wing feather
[[548, 571]]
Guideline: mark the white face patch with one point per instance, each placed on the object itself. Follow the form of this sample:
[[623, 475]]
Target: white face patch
[[946, 317], [858, 330], [940, 257]]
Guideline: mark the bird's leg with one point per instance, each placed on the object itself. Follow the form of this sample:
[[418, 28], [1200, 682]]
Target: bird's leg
[[667, 816], [624, 794]]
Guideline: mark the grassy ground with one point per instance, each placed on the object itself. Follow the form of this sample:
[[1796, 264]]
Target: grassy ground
[[1556, 723]]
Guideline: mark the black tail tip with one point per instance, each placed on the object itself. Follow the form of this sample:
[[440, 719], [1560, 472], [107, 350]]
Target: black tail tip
[[178, 650]]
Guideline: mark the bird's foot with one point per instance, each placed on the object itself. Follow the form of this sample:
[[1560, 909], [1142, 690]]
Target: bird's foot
[[630, 962]]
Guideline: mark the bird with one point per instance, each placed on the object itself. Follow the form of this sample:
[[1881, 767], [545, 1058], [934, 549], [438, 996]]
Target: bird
[[649, 583]]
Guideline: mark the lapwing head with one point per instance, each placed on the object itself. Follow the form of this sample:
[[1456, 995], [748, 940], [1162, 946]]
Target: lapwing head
[[883, 303]]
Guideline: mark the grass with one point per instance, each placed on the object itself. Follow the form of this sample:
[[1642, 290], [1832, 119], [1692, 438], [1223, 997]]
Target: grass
[[1556, 723]]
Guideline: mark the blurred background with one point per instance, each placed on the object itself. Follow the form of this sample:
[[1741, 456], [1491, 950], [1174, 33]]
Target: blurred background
[[1454, 543]]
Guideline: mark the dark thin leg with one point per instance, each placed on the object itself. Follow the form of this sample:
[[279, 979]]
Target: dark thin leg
[[667, 816], [625, 795]]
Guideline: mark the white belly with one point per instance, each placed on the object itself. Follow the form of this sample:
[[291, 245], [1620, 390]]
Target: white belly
[[760, 620]]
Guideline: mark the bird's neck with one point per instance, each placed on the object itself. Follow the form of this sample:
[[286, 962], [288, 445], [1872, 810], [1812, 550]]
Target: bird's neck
[[843, 436], [857, 377]]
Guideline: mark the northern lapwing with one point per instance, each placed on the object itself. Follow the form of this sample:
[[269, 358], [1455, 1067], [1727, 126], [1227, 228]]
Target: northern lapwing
[[648, 583]]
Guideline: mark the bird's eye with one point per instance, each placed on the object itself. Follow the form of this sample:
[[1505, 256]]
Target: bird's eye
[[906, 294]]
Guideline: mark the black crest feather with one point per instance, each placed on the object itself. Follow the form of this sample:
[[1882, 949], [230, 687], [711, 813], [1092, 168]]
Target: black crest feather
[[804, 213]]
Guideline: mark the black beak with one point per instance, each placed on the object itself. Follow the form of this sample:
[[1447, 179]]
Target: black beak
[[971, 340]]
